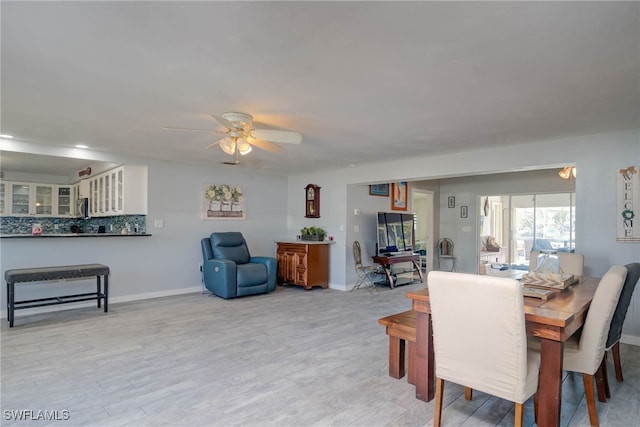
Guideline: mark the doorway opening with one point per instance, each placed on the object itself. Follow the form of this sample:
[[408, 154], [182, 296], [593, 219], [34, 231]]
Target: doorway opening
[[422, 204]]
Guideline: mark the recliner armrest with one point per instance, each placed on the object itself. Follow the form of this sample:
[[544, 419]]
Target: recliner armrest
[[272, 269], [220, 274]]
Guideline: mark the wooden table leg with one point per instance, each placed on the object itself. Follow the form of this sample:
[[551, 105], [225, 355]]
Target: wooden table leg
[[424, 366], [550, 385]]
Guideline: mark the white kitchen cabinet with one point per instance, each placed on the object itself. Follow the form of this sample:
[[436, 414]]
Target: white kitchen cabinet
[[120, 191], [34, 199]]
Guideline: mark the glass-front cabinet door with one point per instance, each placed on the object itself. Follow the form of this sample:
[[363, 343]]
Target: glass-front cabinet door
[[2, 198], [64, 201], [120, 195], [20, 199], [44, 200]]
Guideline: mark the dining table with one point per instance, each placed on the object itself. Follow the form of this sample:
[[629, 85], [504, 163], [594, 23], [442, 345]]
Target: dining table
[[553, 321]]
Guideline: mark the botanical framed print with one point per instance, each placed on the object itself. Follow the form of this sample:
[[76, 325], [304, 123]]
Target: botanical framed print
[[379, 190], [223, 201], [451, 202], [399, 196], [464, 211]]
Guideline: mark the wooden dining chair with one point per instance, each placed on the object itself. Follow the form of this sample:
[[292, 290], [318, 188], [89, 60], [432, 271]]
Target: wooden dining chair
[[584, 354], [480, 339], [615, 330]]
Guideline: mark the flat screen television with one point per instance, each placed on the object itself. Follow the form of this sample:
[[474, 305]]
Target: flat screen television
[[395, 232]]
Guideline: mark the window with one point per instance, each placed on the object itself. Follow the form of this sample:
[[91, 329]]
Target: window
[[531, 222]]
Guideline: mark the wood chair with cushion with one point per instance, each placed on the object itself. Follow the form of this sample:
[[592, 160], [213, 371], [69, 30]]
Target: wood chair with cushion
[[480, 339], [615, 330], [570, 263], [584, 354]]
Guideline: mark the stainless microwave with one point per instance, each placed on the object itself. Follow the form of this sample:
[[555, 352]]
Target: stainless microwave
[[82, 208]]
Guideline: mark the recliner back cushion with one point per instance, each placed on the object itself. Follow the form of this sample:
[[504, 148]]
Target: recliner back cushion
[[230, 246]]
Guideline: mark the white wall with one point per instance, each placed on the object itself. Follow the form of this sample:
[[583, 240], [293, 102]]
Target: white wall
[[167, 262]]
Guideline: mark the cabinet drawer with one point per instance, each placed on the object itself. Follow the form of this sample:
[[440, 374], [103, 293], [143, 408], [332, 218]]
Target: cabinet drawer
[[301, 277], [301, 260], [292, 247]]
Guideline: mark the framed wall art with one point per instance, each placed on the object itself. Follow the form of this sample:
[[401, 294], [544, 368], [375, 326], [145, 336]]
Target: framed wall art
[[379, 190], [451, 202], [399, 196], [464, 211], [223, 201], [628, 205]]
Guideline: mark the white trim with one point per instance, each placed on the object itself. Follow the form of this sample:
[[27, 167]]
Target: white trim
[[630, 339]]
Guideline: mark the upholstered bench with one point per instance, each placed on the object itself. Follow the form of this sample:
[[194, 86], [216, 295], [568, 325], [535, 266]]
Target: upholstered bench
[[401, 327], [42, 274]]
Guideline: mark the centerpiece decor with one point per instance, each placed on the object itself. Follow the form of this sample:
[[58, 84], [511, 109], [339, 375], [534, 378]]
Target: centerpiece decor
[[223, 202], [313, 233]]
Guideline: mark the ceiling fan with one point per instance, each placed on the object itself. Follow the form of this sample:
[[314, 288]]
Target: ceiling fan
[[241, 136]]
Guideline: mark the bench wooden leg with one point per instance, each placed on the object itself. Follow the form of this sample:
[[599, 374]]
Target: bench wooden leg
[[106, 293], [396, 357], [10, 303]]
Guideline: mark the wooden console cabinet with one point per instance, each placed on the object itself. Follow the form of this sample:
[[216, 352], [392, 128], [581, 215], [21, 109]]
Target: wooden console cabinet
[[303, 264]]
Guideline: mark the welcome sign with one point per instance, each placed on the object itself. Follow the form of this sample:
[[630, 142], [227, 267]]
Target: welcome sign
[[628, 207]]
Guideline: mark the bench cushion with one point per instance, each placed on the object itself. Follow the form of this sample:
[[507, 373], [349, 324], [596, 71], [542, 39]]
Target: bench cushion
[[55, 273]]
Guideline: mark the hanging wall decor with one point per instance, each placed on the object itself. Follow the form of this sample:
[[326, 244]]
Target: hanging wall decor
[[223, 202], [628, 205], [379, 190], [399, 196], [312, 201]]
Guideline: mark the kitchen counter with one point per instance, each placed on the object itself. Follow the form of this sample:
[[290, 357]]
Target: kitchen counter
[[71, 235]]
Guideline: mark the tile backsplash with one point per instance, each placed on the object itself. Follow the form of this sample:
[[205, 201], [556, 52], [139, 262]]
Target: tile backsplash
[[62, 225]]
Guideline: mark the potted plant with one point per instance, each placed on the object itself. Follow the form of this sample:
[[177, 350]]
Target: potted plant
[[313, 233]]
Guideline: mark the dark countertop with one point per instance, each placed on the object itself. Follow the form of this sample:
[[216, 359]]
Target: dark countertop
[[72, 235]]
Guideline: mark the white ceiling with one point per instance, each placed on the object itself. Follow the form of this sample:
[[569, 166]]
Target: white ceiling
[[362, 81]]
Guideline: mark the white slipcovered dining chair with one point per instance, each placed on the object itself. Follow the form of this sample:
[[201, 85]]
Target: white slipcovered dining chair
[[584, 354], [570, 263], [366, 273], [480, 339]]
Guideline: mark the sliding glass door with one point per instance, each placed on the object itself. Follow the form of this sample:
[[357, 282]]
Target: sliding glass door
[[519, 224]]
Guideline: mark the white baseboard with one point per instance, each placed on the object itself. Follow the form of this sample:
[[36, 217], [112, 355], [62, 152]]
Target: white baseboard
[[630, 339], [112, 300]]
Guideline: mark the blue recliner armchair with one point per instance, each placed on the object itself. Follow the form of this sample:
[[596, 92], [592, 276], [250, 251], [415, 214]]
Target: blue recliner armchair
[[229, 271]]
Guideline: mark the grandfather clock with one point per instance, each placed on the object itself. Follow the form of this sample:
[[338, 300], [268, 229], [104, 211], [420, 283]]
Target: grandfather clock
[[312, 201]]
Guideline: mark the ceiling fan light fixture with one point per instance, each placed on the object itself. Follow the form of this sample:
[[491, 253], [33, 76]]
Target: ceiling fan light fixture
[[568, 172], [228, 145], [243, 146]]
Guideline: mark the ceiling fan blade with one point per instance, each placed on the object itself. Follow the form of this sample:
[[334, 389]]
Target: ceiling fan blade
[[192, 130], [282, 136], [265, 145], [213, 145], [224, 122]]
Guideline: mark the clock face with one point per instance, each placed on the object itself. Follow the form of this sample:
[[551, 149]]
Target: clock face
[[311, 194]]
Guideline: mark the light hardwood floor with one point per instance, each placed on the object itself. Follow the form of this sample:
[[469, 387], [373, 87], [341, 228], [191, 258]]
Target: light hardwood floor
[[289, 358]]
